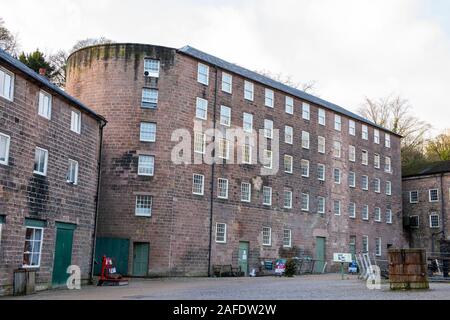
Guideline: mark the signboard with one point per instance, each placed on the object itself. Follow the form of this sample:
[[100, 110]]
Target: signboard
[[280, 266], [343, 257]]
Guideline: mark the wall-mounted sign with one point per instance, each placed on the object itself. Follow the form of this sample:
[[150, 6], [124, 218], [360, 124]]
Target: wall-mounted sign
[[343, 257]]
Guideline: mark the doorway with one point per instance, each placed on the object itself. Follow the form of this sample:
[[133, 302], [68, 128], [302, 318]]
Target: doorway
[[63, 253], [320, 255], [140, 259], [243, 257]]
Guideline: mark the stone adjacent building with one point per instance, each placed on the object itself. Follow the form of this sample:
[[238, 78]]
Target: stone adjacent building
[[426, 199], [333, 182], [49, 164]]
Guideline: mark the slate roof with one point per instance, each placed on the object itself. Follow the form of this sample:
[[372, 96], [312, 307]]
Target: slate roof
[[274, 84], [16, 64], [427, 169]]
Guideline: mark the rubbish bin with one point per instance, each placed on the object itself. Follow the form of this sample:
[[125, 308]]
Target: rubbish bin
[[24, 282]]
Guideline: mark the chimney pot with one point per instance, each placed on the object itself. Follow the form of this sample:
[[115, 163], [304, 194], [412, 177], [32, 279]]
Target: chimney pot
[[42, 71]]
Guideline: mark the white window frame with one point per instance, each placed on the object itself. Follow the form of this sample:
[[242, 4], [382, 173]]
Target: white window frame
[[5, 72], [152, 102], [141, 167], [305, 196], [287, 232], [269, 156], [388, 188], [72, 180], [269, 190], [376, 161], [247, 151], [224, 225], [321, 145], [291, 159], [203, 74], [268, 129], [269, 98], [322, 117], [45, 161], [437, 195], [224, 149], [337, 122], [365, 183], [352, 127], [41, 109], [435, 215], [227, 86], [365, 213], [286, 193], [222, 188], [365, 132], [378, 245], [32, 252], [376, 136], [418, 221], [305, 164], [377, 185], [337, 209], [337, 170], [410, 196], [319, 209], [352, 153], [267, 232], [249, 193], [249, 90], [337, 147], [141, 132], [352, 210], [7, 146], [389, 216], [199, 136], [352, 179], [288, 134], [387, 140], [388, 164], [306, 140], [139, 210], [75, 121], [202, 106], [245, 123], [324, 173], [306, 111], [364, 157], [377, 214], [289, 105], [366, 244], [195, 184], [152, 72], [225, 116]]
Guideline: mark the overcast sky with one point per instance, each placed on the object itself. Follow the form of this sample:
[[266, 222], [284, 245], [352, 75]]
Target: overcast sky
[[352, 48]]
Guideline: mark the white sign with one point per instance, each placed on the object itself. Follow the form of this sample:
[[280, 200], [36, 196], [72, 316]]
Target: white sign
[[343, 257]]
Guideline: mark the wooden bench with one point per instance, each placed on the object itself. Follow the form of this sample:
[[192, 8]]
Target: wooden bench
[[226, 270]]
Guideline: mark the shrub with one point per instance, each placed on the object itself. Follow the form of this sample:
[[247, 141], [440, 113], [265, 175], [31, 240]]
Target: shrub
[[291, 268]]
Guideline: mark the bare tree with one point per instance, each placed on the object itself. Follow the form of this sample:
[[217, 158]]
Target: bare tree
[[8, 41], [90, 42], [58, 62], [438, 148], [308, 87]]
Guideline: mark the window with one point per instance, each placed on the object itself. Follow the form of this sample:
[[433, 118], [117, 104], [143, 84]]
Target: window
[[201, 110], [247, 153], [322, 117], [376, 136], [151, 68], [352, 153], [203, 74], [377, 215], [288, 134], [387, 165], [287, 238], [199, 142], [269, 98], [365, 212], [337, 176], [305, 140], [337, 208], [6, 84], [389, 216], [387, 140], [287, 199], [146, 165], [289, 105], [40, 161], [376, 161], [148, 132], [414, 222], [365, 183], [248, 90], [414, 197], [321, 172], [434, 221], [388, 188], [221, 233], [352, 179], [320, 205], [227, 82], [72, 173], [248, 122], [305, 202], [267, 196], [288, 164], [246, 192], [306, 114], [33, 247], [75, 122], [321, 144], [377, 185], [352, 210], [434, 195], [365, 244], [267, 236], [352, 127], [45, 104], [222, 188], [268, 129], [149, 98], [337, 123], [225, 116], [365, 132], [224, 149], [365, 157], [4, 148], [337, 149], [268, 159], [305, 168], [198, 184], [143, 206], [378, 247]]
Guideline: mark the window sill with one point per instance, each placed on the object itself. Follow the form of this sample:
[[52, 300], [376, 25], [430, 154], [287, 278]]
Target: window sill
[[40, 173], [143, 216]]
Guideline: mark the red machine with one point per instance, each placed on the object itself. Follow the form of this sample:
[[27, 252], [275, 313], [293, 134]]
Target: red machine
[[109, 275]]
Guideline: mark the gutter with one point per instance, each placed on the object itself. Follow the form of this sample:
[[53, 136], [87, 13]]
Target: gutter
[[213, 166], [97, 200]]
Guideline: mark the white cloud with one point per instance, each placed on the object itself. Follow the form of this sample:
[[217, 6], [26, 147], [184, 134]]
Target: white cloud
[[353, 48]]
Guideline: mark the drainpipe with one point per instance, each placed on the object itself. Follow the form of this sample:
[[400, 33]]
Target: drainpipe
[[97, 205], [444, 235], [213, 166]]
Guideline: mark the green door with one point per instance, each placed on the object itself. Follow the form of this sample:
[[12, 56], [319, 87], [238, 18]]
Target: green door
[[320, 255], [116, 249], [243, 257], [352, 247], [63, 253], [140, 259]]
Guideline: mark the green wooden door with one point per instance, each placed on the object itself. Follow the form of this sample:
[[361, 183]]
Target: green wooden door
[[114, 248], [140, 259], [243, 257], [63, 254], [320, 255]]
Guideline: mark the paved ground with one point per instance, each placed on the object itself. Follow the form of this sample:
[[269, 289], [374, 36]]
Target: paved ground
[[323, 287]]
